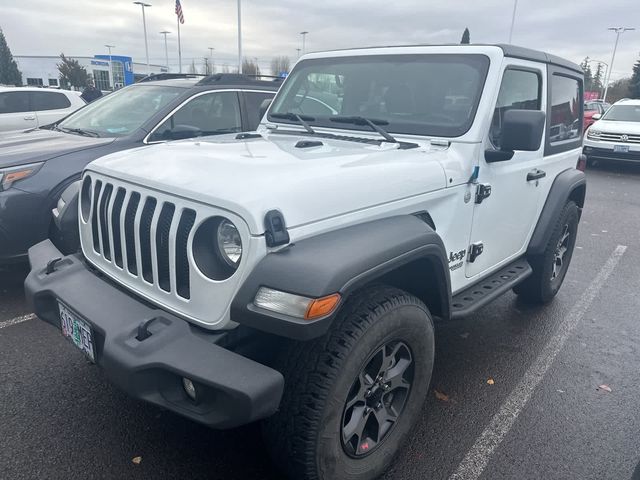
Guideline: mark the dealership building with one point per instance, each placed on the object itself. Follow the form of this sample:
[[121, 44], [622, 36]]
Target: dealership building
[[109, 72]]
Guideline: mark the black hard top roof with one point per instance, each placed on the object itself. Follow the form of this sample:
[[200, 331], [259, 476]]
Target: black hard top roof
[[512, 51]]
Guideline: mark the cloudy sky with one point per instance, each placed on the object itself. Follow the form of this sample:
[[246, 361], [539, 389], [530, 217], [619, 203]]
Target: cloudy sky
[[570, 28]]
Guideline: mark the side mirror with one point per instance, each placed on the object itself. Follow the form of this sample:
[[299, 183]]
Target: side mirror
[[597, 116], [181, 132], [521, 130], [264, 106]]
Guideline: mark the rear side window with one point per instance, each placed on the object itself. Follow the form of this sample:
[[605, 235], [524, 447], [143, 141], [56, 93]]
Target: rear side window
[[14, 102], [564, 119], [253, 100], [520, 90], [49, 101]]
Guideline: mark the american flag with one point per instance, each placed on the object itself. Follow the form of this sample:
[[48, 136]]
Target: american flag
[[179, 11]]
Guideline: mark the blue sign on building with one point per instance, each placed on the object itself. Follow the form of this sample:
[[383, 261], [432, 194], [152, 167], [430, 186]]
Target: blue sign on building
[[122, 69]]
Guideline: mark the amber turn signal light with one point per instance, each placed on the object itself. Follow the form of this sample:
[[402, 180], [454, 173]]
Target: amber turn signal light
[[321, 307]]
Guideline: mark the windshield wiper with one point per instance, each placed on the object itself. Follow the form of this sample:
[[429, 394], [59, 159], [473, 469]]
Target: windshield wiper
[[372, 122], [301, 119], [80, 131]]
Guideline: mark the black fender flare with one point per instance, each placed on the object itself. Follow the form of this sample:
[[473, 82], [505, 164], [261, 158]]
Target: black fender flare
[[570, 184], [343, 261]]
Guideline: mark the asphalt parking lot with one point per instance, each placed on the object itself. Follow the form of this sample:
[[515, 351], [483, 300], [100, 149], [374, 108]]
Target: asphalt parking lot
[[564, 403]]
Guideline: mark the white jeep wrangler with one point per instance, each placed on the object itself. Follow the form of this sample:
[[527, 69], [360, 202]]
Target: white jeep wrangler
[[292, 274]]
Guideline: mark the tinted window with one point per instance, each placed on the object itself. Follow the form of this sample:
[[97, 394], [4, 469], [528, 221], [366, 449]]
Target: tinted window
[[122, 112], [564, 119], [209, 114], [428, 94], [520, 90], [253, 100], [14, 102], [49, 101]]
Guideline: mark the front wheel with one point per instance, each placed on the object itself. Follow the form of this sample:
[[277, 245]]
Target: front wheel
[[550, 268], [352, 396]]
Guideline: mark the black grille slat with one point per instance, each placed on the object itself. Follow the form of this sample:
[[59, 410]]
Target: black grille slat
[[187, 220], [104, 224], [115, 225], [94, 219], [145, 238], [162, 245], [129, 232]]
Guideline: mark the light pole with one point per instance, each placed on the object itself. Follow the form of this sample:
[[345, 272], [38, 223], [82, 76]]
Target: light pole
[[239, 36], [304, 37], [618, 31], [110, 67], [166, 50], [211, 49], [144, 26], [513, 19], [298, 50]]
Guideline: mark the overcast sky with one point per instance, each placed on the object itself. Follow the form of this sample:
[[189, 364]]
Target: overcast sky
[[571, 28]]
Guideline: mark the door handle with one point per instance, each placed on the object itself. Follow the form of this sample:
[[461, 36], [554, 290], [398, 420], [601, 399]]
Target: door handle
[[30, 117], [536, 175]]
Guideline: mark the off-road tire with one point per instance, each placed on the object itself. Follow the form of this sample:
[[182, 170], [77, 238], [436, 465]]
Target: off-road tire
[[541, 286], [305, 437]]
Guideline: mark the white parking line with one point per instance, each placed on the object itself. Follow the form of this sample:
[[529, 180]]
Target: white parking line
[[477, 458], [15, 321]]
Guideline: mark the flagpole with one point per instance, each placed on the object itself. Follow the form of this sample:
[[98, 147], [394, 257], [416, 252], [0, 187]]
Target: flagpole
[[179, 46]]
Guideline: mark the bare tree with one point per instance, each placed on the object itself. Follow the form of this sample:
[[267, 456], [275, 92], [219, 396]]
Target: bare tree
[[250, 66], [192, 67], [280, 65], [208, 67]]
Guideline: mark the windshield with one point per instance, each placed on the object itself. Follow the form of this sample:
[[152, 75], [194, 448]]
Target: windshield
[[122, 112], [623, 113], [430, 94]]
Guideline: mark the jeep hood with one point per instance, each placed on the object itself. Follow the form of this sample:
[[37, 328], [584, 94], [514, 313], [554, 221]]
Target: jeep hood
[[251, 177], [38, 145]]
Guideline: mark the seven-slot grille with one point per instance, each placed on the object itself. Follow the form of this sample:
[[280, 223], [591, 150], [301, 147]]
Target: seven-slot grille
[[143, 235], [617, 137]]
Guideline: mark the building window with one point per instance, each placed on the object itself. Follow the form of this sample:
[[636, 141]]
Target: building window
[[53, 82], [35, 82], [117, 70], [101, 78]]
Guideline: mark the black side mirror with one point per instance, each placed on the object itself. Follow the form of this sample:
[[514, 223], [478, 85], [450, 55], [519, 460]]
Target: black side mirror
[[181, 132], [264, 106], [521, 130]]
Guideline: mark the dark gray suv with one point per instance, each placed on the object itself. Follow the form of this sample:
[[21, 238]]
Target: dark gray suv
[[38, 164]]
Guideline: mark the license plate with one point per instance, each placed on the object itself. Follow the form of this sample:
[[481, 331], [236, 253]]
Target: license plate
[[621, 148], [77, 330]]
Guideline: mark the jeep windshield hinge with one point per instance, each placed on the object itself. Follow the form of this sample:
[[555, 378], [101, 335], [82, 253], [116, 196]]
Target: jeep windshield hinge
[[275, 229], [475, 250], [483, 191]]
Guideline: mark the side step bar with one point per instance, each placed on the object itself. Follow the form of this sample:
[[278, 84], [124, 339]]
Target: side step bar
[[486, 290]]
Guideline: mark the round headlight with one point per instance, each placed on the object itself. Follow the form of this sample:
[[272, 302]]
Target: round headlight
[[229, 243]]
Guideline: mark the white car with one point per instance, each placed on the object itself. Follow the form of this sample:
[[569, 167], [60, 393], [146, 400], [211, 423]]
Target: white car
[[616, 134], [22, 108]]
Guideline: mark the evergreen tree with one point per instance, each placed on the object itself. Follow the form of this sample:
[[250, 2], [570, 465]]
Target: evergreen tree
[[466, 37], [72, 73], [634, 87], [598, 78], [588, 75], [9, 73]]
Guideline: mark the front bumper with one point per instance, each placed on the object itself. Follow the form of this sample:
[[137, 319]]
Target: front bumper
[[604, 151], [232, 390]]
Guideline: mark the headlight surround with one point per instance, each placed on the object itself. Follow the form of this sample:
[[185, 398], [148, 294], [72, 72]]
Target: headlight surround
[[217, 248], [593, 134], [10, 175], [229, 243]]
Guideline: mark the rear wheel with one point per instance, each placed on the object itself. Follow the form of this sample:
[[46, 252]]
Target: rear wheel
[[352, 396], [550, 268]]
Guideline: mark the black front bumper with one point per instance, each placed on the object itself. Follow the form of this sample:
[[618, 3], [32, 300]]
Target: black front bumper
[[594, 153], [231, 389]]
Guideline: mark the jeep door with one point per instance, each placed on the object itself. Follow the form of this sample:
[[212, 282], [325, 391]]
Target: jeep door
[[503, 222]]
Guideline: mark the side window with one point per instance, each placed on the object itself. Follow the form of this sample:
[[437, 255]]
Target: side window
[[14, 102], [520, 90], [209, 114], [565, 122], [253, 100], [49, 101]]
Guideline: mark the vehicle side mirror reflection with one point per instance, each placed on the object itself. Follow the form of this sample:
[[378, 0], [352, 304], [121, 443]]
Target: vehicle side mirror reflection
[[181, 132], [521, 131], [264, 106]]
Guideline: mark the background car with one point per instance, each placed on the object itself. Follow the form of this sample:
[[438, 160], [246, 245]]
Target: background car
[[22, 108], [615, 136], [37, 165], [591, 108]]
